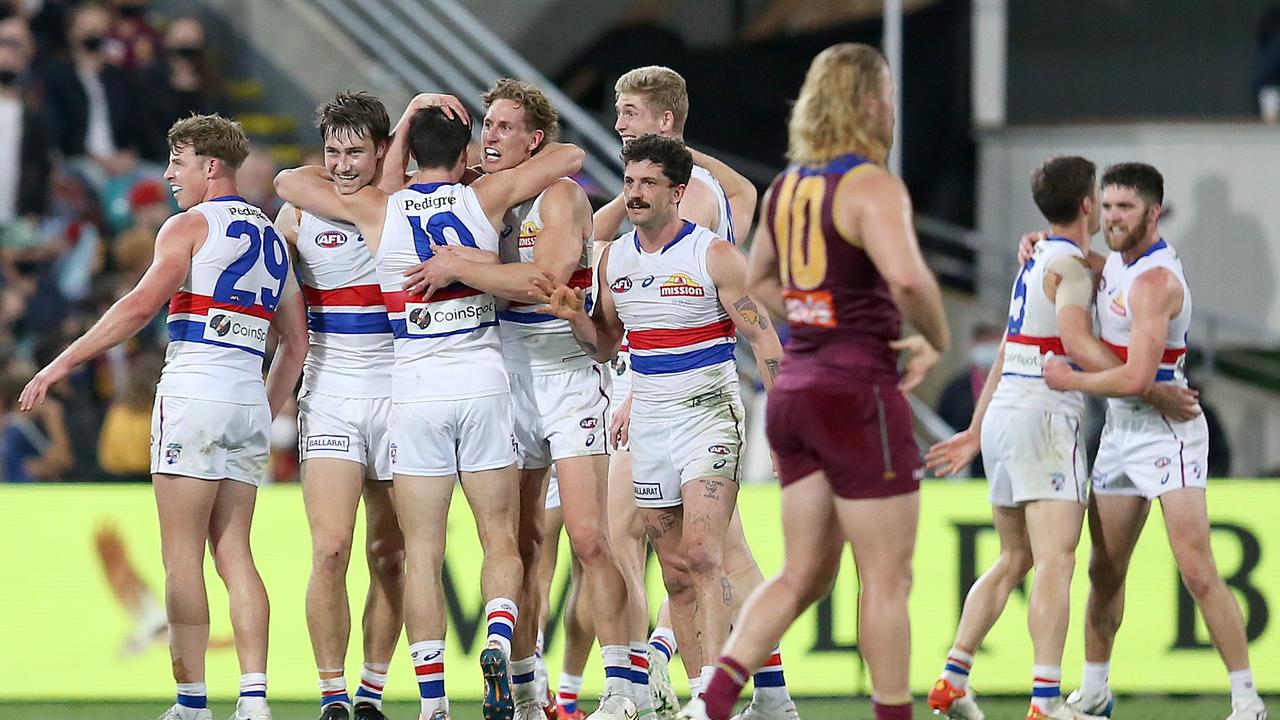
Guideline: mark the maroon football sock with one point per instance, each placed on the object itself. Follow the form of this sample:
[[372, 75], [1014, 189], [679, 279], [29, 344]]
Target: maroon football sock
[[721, 694]]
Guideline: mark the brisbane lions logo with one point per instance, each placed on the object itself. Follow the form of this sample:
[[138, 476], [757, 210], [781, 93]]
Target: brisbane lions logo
[[221, 324], [420, 317]]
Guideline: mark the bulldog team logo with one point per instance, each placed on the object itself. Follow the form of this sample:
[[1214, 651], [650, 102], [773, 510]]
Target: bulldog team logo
[[171, 453], [1118, 306], [421, 317], [331, 239], [681, 285], [221, 324], [528, 234]]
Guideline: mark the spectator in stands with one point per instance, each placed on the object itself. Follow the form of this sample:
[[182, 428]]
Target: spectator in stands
[[33, 446], [124, 447], [24, 143], [16, 34], [90, 102], [132, 43], [149, 202], [256, 181], [1266, 64], [182, 81], [955, 405]]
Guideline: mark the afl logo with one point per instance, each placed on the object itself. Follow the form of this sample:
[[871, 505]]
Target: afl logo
[[420, 317], [587, 424], [621, 285], [718, 450], [221, 324], [331, 239]]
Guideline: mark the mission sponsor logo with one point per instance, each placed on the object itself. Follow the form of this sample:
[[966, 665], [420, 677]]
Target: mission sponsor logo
[[528, 234], [681, 285]]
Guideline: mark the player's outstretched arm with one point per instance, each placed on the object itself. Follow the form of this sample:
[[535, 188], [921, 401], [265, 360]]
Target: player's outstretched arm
[[177, 241], [764, 280], [1156, 296], [598, 333], [953, 455], [499, 191], [738, 190], [290, 325], [728, 269], [566, 225], [311, 189]]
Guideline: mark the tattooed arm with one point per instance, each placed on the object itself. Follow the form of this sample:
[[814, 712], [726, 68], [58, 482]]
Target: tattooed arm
[[728, 268]]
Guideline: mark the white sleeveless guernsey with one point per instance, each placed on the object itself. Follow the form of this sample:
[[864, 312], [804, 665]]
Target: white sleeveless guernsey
[[680, 337], [1113, 315], [536, 343], [723, 227], [1032, 333], [446, 346], [351, 352], [218, 319]]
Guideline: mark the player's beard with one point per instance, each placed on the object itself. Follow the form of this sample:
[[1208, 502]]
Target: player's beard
[[1131, 238]]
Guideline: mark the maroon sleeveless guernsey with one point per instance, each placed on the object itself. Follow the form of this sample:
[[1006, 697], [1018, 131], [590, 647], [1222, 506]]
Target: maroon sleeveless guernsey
[[840, 312]]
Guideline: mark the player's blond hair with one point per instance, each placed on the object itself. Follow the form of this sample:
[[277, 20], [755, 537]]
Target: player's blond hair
[[211, 136], [539, 113], [830, 117], [663, 90]]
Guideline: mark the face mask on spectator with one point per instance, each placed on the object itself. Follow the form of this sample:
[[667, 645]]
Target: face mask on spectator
[[8, 77], [93, 43], [984, 354], [187, 52]]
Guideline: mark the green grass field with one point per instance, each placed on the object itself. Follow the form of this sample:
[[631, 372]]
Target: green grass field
[[1132, 708]]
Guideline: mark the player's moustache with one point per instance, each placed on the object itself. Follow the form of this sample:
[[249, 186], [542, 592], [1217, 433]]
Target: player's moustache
[[637, 204]]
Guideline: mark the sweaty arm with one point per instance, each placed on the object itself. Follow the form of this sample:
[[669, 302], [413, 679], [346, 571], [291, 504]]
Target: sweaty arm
[[1068, 281], [728, 268], [499, 191], [739, 191], [310, 188], [598, 333], [764, 281], [1154, 298], [566, 225], [877, 209], [178, 240], [290, 325]]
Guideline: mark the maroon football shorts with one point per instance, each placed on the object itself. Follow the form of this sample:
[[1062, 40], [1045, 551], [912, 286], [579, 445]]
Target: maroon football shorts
[[859, 435]]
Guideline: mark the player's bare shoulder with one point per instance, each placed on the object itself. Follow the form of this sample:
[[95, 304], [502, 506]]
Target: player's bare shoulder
[[188, 228], [1158, 288]]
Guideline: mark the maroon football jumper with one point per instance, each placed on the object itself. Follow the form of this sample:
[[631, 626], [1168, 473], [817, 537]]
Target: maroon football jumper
[[835, 406]]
